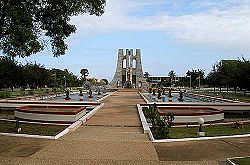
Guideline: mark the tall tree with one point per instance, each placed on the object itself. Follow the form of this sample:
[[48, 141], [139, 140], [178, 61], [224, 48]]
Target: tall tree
[[146, 75], [10, 72], [172, 75], [244, 78], [196, 76], [104, 82], [84, 73], [35, 75], [24, 24]]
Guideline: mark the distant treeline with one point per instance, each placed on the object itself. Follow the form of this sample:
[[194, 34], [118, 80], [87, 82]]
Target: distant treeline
[[14, 74], [230, 74]]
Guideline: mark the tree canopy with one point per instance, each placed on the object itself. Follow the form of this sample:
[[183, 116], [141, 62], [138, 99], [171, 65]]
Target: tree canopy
[[230, 73], [26, 25], [84, 72]]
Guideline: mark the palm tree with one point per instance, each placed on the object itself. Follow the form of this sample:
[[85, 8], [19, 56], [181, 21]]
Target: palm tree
[[146, 75], [84, 73], [172, 75]]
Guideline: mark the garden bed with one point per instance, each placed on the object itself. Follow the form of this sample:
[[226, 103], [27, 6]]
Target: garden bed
[[32, 129], [211, 131]]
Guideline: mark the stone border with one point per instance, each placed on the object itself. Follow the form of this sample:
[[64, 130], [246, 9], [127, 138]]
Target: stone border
[[231, 162], [71, 128], [200, 138], [144, 123], [147, 130], [103, 98], [203, 96], [144, 98], [213, 97]]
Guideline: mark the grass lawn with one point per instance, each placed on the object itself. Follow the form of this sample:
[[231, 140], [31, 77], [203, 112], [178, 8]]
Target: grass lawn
[[218, 130], [18, 92], [31, 129], [242, 161]]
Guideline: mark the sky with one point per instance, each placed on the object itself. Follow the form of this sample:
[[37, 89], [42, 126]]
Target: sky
[[172, 34]]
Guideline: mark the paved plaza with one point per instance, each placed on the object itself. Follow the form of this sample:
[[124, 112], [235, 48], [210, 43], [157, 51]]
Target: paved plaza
[[114, 136]]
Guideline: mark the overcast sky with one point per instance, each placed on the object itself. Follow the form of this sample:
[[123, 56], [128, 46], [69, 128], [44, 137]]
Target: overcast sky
[[172, 35]]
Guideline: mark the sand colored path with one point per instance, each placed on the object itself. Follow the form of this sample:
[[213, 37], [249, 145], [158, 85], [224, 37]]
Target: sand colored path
[[113, 135]]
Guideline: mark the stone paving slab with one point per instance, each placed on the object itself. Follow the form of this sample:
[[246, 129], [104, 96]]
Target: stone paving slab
[[20, 146], [121, 134], [12, 160], [77, 149], [119, 109], [57, 161], [190, 163], [201, 150]]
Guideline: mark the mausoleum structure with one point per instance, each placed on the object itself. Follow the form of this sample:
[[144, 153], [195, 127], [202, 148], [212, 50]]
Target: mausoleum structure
[[129, 72]]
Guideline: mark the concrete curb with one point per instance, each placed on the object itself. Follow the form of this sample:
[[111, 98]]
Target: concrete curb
[[62, 133], [231, 162], [216, 98], [26, 135], [71, 128], [91, 113], [144, 123], [147, 130], [144, 98], [201, 138]]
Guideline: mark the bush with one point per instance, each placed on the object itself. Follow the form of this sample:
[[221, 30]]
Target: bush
[[30, 92], [4, 94], [152, 114], [22, 92], [170, 119], [161, 130], [160, 125]]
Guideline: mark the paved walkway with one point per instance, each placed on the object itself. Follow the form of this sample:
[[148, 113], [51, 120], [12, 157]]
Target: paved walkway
[[114, 136]]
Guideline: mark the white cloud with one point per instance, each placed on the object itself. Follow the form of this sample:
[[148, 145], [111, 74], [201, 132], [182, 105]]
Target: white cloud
[[220, 25]]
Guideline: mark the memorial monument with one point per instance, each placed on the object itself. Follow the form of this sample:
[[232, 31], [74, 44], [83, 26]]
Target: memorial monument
[[129, 72]]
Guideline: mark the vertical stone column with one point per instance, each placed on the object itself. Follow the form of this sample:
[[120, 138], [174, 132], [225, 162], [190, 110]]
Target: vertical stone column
[[118, 73], [131, 58], [139, 72]]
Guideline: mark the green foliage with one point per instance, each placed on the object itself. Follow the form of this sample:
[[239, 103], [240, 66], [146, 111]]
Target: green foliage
[[161, 130], [30, 92], [84, 73], [10, 72], [152, 114], [242, 161], [22, 92], [103, 82], [24, 23], [160, 125], [170, 118], [230, 73], [210, 130], [4, 94], [31, 129], [146, 75]]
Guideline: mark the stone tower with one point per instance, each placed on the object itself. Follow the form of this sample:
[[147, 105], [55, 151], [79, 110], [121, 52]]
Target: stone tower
[[128, 70]]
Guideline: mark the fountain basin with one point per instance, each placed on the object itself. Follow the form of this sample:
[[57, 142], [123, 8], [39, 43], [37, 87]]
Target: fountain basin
[[51, 113], [189, 115]]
